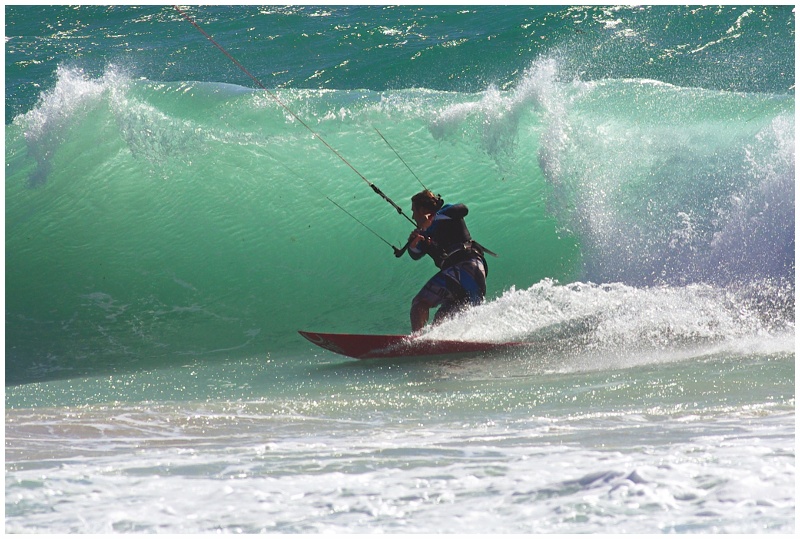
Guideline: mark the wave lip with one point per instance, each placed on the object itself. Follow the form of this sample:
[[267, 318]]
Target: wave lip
[[664, 184]]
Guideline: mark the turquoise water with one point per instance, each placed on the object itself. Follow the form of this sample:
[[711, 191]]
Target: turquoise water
[[170, 226]]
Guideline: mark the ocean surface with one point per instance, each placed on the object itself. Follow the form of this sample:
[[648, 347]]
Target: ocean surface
[[173, 215]]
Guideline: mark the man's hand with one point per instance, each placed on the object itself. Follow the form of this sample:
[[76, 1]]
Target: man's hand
[[414, 238]]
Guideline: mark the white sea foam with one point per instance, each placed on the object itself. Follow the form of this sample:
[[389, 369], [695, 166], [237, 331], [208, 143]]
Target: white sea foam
[[248, 471]]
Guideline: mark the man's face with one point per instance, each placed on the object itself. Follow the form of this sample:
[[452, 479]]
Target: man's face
[[420, 215]]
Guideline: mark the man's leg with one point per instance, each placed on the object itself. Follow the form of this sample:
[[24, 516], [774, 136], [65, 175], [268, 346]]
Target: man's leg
[[419, 313], [432, 295]]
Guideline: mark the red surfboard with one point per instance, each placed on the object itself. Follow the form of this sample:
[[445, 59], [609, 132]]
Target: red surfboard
[[396, 346]]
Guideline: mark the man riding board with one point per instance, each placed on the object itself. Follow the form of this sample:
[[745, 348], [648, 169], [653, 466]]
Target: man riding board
[[442, 234]]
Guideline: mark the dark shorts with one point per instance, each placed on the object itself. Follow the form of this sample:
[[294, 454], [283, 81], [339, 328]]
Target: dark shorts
[[455, 287]]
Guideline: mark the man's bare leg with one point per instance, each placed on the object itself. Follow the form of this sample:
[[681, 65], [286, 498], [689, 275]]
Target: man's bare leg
[[419, 315]]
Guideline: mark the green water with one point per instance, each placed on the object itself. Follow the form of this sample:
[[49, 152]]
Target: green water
[[149, 221]]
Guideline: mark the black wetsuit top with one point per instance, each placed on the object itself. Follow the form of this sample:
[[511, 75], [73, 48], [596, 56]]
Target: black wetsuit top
[[451, 242]]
